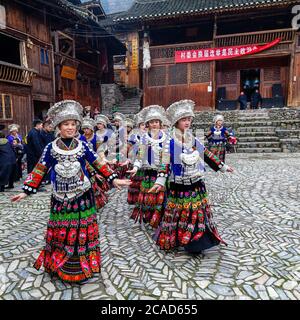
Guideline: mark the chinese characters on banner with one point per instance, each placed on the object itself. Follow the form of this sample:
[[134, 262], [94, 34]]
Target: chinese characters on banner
[[135, 52], [221, 53]]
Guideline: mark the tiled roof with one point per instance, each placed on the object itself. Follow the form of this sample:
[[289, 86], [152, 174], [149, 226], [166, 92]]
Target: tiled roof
[[153, 9]]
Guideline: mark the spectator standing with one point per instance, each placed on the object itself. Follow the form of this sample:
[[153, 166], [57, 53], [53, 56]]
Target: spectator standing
[[242, 99], [7, 163], [256, 100], [34, 145]]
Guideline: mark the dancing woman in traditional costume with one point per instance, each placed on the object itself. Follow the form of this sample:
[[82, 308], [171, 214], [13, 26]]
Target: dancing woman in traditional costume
[[217, 138], [103, 134], [72, 240], [133, 147], [187, 220], [88, 127], [117, 146], [99, 184], [151, 158]]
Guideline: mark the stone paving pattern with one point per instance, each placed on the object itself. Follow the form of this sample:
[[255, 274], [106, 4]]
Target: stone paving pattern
[[257, 212]]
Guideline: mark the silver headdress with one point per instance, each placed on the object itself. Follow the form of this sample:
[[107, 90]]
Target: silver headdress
[[138, 119], [65, 110], [217, 118], [13, 127], [129, 123], [88, 123], [180, 109], [166, 122], [101, 118], [153, 112], [119, 116]]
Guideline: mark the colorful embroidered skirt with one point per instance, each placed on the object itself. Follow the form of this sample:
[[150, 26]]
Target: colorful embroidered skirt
[[134, 188], [100, 186], [219, 150], [72, 240], [149, 206], [187, 220]]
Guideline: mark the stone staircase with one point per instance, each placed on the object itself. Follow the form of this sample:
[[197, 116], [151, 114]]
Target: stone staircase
[[256, 133], [121, 99], [131, 103]]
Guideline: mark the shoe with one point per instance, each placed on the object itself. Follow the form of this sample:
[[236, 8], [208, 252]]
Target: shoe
[[9, 187], [1, 188]]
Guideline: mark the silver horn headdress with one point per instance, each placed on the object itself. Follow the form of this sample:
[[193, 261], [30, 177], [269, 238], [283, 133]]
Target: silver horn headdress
[[180, 109], [65, 110]]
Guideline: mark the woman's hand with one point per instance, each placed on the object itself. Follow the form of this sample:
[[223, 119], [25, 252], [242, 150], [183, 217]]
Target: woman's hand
[[125, 163], [18, 197], [229, 169], [133, 171], [156, 188], [119, 183]]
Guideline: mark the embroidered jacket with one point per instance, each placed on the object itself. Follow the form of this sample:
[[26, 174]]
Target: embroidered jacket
[[91, 142], [68, 172], [187, 161], [154, 154], [133, 144], [217, 136]]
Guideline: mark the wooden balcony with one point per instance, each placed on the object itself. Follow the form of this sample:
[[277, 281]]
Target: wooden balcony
[[16, 74], [286, 36], [166, 53]]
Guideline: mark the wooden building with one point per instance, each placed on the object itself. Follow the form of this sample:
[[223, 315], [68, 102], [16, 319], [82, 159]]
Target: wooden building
[[51, 50], [196, 27]]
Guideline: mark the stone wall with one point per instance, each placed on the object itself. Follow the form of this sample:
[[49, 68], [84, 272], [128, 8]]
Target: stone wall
[[111, 97]]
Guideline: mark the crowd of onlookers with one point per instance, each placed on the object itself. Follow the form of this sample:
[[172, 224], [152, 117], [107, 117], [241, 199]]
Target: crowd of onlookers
[[18, 153]]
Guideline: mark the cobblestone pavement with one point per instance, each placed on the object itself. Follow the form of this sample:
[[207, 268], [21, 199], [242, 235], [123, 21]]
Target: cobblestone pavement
[[257, 212]]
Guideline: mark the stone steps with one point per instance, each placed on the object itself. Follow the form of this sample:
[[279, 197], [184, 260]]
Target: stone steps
[[257, 150], [256, 129], [255, 123], [259, 144], [258, 139]]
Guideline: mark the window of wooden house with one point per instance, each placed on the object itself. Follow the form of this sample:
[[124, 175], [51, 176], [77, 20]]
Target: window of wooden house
[[44, 56], [5, 106], [11, 52]]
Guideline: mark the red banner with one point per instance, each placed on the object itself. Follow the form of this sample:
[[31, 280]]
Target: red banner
[[221, 53]]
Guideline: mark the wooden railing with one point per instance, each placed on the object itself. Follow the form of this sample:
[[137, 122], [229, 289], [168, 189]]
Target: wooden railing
[[166, 53], [16, 74], [286, 35]]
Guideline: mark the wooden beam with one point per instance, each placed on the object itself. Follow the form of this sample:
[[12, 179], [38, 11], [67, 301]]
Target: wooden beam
[[292, 83], [214, 69]]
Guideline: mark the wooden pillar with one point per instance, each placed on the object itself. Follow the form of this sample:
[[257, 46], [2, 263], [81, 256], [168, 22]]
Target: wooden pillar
[[214, 69], [292, 86]]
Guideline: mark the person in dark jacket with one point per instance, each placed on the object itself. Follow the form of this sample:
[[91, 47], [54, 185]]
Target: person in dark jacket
[[47, 133], [256, 100], [35, 145], [7, 163], [47, 136], [242, 99], [19, 152]]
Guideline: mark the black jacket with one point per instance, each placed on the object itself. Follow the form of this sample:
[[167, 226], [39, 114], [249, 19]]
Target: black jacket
[[35, 148], [7, 161], [46, 137]]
